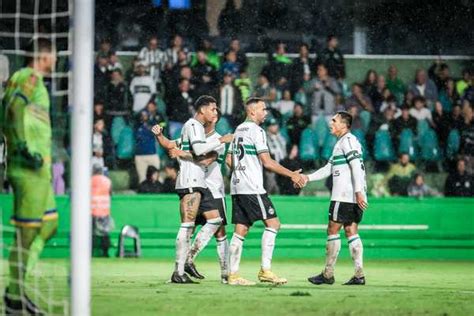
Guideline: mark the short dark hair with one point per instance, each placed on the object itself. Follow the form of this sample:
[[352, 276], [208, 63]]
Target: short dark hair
[[202, 101], [418, 98], [346, 118], [253, 100], [37, 45], [330, 37]]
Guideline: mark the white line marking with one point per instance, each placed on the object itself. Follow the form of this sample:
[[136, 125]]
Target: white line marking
[[363, 227]]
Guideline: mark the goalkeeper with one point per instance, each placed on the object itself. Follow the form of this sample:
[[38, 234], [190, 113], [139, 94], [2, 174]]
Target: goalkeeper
[[26, 125]]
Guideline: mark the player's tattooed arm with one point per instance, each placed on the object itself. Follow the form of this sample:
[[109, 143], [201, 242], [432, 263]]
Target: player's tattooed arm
[[204, 160], [207, 159]]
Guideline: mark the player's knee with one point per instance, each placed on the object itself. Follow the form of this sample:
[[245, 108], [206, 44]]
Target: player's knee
[[220, 233]]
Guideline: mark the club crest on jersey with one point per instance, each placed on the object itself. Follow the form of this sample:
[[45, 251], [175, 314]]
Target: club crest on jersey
[[271, 211]]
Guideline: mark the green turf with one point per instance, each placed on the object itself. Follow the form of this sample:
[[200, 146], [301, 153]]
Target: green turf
[[402, 287]]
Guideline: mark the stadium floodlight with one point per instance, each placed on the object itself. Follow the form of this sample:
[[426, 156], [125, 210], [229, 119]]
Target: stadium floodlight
[[83, 62]]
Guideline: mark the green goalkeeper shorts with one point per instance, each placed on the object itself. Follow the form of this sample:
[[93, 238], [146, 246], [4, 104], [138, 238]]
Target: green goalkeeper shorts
[[33, 201]]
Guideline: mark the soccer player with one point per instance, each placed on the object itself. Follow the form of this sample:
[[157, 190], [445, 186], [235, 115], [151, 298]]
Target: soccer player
[[215, 182], [27, 128], [250, 203], [191, 185], [348, 199]]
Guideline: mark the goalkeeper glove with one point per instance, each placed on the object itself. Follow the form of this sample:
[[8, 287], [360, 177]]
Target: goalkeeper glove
[[26, 158]]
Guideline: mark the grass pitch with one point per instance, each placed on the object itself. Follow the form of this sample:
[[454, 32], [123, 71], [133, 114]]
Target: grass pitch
[[402, 287]]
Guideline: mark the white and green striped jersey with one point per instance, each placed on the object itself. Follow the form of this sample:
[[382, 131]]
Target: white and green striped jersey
[[347, 169], [214, 179], [247, 174], [193, 140]]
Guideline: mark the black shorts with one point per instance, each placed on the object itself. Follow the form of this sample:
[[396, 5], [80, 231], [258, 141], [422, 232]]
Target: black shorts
[[207, 200], [249, 208], [201, 220], [345, 213]]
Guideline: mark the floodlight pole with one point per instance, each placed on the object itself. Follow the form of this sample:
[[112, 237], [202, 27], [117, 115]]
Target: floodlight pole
[[83, 91]]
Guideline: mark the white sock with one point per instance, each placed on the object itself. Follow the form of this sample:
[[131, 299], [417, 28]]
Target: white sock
[[223, 254], [235, 252], [182, 245], [203, 237], [333, 246], [357, 250], [268, 244]]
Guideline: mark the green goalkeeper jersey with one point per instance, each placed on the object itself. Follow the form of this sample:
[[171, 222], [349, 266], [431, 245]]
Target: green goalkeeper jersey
[[26, 120]]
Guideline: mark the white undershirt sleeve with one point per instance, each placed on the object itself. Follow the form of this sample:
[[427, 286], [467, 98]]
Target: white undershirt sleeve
[[321, 173]]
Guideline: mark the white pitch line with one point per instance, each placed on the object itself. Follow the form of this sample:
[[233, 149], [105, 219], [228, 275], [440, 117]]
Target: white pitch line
[[363, 227]]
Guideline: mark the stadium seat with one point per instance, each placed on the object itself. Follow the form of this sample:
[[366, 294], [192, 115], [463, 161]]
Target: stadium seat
[[284, 133], [129, 231], [160, 105], [328, 146], [223, 127], [321, 129], [118, 123], [453, 143], [383, 148], [422, 127], [407, 143], [365, 118], [307, 150], [429, 146], [126, 144]]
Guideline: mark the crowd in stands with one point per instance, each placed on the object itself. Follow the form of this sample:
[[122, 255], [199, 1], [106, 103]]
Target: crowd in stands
[[428, 121]]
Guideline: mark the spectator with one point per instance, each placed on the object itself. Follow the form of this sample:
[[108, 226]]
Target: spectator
[[205, 76], [460, 183], [370, 82], [154, 117], [118, 98], [467, 139], [142, 88], [448, 96], [441, 122], [419, 189], [230, 65], [359, 99], [388, 100], [301, 66], [145, 147], [395, 84], [101, 76], [264, 89], [244, 84], [114, 62], [151, 185], [356, 121], [419, 110], [171, 171], [105, 47], [179, 108], [408, 100], [285, 106], [173, 51], [102, 222], [379, 94], [400, 175], [174, 76], [230, 101], [241, 57], [332, 57], [404, 121], [212, 57], [296, 124], [439, 73], [4, 73], [155, 58], [102, 146], [277, 146], [281, 64], [456, 120], [324, 90], [99, 110], [424, 87], [465, 82]]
